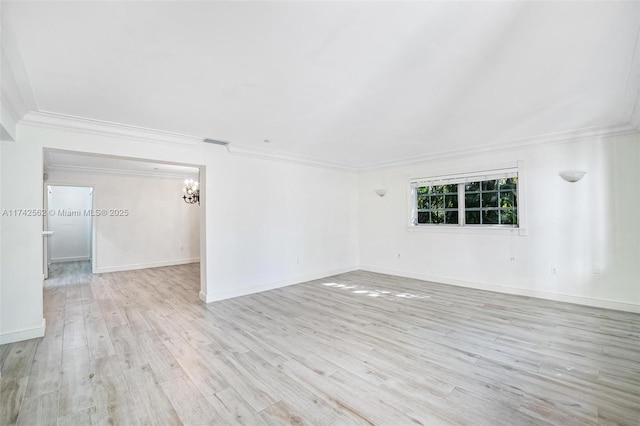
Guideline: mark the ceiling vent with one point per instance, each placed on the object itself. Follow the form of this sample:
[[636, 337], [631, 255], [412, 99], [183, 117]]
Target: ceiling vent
[[216, 142]]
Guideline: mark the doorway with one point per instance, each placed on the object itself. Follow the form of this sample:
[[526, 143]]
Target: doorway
[[150, 194], [69, 227]]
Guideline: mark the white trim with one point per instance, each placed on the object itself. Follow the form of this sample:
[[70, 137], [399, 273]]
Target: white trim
[[466, 178], [24, 334], [70, 259], [578, 300], [468, 229], [203, 296], [104, 269], [129, 132], [7, 118], [474, 176], [248, 151], [522, 199], [99, 127], [472, 170], [524, 143], [252, 289]]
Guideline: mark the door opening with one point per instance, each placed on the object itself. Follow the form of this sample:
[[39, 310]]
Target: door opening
[[69, 229]]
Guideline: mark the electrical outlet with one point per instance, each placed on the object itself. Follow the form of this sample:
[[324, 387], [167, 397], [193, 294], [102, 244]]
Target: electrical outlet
[[554, 270], [297, 261]]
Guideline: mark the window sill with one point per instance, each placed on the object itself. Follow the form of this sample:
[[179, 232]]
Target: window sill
[[469, 229]]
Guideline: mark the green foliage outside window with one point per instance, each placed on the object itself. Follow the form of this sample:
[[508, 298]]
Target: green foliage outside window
[[488, 202], [437, 204]]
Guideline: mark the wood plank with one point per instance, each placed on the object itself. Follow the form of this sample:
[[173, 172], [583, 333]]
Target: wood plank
[[240, 411], [162, 362], [76, 393], [14, 379], [98, 340], [202, 373], [248, 384], [79, 418], [12, 391], [191, 406], [113, 401], [126, 347], [356, 348], [150, 403], [75, 335], [46, 368], [41, 410], [136, 321]]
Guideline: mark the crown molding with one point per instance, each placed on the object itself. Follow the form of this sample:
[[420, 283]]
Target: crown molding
[[516, 144], [8, 107], [247, 151], [12, 104], [64, 122], [118, 172], [105, 128], [7, 120]]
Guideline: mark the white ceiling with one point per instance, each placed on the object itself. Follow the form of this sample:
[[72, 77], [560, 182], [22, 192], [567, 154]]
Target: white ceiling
[[355, 83], [88, 163]]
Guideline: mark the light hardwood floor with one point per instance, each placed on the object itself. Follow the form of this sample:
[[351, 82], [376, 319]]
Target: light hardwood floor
[[360, 348]]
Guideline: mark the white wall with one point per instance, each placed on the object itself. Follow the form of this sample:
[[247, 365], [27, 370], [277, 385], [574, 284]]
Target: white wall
[[71, 240], [281, 223], [265, 223], [159, 229], [588, 230], [21, 244], [1, 237]]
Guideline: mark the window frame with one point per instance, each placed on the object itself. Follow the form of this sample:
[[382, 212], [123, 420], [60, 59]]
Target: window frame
[[472, 174]]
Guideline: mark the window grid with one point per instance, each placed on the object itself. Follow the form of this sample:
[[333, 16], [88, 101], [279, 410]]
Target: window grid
[[483, 202], [437, 204]]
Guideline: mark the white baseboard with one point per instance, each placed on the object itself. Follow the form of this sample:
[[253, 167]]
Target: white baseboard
[[244, 291], [24, 334], [120, 268], [69, 259], [579, 300]]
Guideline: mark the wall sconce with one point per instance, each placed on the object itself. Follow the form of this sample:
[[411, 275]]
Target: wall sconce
[[381, 192], [572, 175], [191, 191]]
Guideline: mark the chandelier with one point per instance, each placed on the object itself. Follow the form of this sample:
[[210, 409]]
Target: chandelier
[[191, 191]]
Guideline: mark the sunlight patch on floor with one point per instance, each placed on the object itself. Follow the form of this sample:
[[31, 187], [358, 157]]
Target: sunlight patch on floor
[[375, 292]]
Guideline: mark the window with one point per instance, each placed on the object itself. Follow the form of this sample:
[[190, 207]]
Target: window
[[437, 204], [479, 199]]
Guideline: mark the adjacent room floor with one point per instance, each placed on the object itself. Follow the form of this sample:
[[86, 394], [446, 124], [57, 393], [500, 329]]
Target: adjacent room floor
[[59, 273], [358, 348]]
